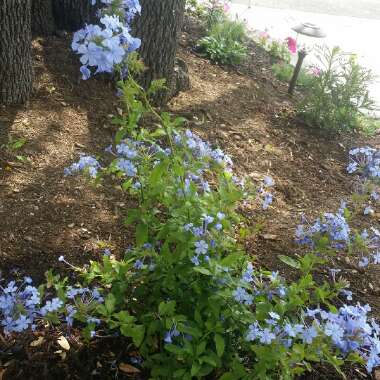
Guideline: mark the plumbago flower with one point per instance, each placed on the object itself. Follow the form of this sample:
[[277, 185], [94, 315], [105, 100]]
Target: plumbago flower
[[133, 155], [365, 162], [267, 197], [86, 164], [332, 226], [349, 329], [332, 231], [23, 306], [106, 46]]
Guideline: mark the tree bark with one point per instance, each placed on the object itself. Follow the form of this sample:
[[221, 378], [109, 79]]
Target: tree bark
[[15, 51], [158, 27], [42, 18], [71, 15]]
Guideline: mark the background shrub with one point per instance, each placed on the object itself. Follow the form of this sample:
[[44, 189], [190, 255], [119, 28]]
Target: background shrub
[[284, 72], [339, 94], [225, 43]]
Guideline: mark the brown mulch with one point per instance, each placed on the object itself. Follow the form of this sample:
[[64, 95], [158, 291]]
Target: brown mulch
[[244, 110]]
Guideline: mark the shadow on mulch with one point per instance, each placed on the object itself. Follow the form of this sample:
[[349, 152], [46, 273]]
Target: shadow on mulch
[[43, 214]]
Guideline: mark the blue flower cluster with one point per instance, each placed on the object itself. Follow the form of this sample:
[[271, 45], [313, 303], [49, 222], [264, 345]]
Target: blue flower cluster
[[203, 234], [85, 163], [366, 160], [349, 329], [131, 154], [104, 47], [334, 226], [172, 333], [371, 241], [263, 191], [21, 305], [202, 149], [254, 285]]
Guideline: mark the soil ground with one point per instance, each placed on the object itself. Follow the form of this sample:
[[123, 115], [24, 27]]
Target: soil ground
[[244, 110]]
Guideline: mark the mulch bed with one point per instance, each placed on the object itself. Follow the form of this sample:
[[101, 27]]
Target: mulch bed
[[43, 214]]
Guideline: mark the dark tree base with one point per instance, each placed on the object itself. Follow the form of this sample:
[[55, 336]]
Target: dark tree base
[[71, 15], [42, 18], [159, 27], [15, 51]]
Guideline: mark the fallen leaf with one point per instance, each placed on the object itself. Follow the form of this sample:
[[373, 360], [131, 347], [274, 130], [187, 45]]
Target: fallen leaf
[[61, 353], [270, 237], [127, 368], [37, 342], [62, 341]]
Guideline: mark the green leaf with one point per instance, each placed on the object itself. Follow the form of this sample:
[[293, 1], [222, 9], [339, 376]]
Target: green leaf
[[141, 234], [229, 376], [195, 369], [124, 317], [136, 332], [205, 370], [133, 215], [17, 144], [231, 260], [127, 184], [290, 261], [209, 360], [173, 349], [202, 270], [179, 373], [110, 303], [157, 172], [220, 344], [201, 348], [167, 308], [120, 135]]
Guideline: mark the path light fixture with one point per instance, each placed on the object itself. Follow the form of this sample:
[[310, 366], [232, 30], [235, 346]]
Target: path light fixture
[[310, 30]]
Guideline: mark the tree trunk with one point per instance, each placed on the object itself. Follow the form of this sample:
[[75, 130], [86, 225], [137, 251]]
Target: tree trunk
[[15, 51], [71, 15], [158, 27], [42, 17]]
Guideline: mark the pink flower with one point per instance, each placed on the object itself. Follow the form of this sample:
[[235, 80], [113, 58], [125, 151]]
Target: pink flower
[[292, 44], [316, 71], [264, 35], [226, 7]]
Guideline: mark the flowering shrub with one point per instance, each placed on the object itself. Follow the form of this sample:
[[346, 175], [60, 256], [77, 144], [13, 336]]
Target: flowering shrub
[[278, 49], [194, 303], [186, 293], [106, 47], [339, 94], [215, 12]]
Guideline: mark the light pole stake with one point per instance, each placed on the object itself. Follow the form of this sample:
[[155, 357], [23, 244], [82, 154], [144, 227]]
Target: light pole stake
[[292, 84]]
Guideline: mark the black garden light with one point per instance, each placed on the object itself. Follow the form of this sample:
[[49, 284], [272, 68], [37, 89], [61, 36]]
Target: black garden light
[[309, 30]]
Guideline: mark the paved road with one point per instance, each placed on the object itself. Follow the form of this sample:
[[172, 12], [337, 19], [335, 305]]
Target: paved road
[[352, 8], [351, 33]]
